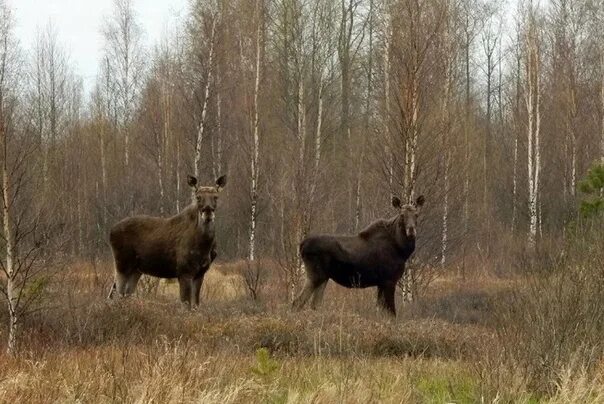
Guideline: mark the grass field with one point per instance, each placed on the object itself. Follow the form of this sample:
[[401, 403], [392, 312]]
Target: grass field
[[149, 349]]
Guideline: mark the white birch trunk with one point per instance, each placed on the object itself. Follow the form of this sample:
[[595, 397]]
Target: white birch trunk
[[80, 221], [160, 156], [102, 136], [302, 208], [411, 145], [410, 171], [537, 132], [317, 158], [388, 153], [317, 140], [515, 183], [217, 147], [570, 122], [602, 106], [532, 199], [11, 282], [301, 124], [206, 98], [177, 141], [357, 216], [446, 155], [533, 100], [255, 142], [516, 132]]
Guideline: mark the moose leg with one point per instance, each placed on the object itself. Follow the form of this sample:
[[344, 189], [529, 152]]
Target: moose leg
[[303, 297], [381, 303], [119, 284], [185, 289], [317, 297], [196, 288], [386, 298], [124, 266], [132, 282], [112, 291]]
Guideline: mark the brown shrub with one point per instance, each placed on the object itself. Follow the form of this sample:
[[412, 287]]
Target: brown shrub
[[554, 318]]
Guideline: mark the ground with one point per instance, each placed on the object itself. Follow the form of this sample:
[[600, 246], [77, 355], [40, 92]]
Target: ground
[[148, 348]]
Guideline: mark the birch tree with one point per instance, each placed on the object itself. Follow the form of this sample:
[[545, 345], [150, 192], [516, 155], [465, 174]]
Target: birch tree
[[450, 53], [532, 55], [255, 129], [26, 223], [9, 65], [125, 53], [205, 65], [51, 84]]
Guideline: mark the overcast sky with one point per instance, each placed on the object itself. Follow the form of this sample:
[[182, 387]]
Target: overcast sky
[[78, 24]]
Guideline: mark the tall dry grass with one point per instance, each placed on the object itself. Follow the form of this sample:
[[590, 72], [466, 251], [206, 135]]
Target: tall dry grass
[[549, 327], [486, 338]]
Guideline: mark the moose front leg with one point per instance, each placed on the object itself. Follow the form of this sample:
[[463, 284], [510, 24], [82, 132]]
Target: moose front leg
[[185, 282], [196, 284], [385, 298]]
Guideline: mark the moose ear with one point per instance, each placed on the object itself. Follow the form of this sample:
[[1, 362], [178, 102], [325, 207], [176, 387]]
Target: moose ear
[[192, 181], [396, 202], [221, 182], [419, 202]]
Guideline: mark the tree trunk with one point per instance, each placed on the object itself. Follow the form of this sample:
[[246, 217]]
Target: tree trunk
[[204, 106], [102, 136], [411, 141], [517, 129], [177, 152], [317, 158], [255, 140], [602, 106], [10, 254], [217, 143], [162, 147], [533, 100], [388, 153], [301, 201], [446, 159], [359, 174], [317, 141], [466, 188]]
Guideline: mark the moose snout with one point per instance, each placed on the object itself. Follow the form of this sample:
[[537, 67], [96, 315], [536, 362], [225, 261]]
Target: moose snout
[[410, 231], [207, 213]]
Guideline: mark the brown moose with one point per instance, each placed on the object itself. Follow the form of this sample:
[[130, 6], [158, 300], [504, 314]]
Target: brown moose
[[374, 257], [181, 246]]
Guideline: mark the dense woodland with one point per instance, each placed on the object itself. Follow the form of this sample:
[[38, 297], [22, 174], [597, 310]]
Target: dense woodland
[[319, 111]]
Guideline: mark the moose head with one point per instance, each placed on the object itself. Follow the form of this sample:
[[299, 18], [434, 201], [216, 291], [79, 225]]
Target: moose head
[[408, 214], [206, 197]]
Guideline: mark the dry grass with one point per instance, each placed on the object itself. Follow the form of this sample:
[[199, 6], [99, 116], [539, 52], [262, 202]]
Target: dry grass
[[146, 349]]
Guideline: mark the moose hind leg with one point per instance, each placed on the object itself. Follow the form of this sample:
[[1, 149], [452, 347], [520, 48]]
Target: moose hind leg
[[317, 297], [119, 285], [132, 282], [303, 297], [123, 269]]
